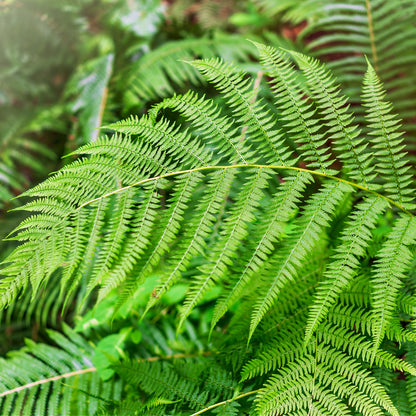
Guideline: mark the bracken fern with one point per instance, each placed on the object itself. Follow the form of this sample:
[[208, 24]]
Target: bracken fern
[[319, 307]]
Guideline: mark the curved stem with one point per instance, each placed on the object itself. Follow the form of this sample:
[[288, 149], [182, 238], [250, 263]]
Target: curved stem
[[213, 406], [93, 369], [244, 166]]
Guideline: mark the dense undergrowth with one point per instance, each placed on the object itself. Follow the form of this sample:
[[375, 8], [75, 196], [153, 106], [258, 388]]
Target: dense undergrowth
[[238, 236]]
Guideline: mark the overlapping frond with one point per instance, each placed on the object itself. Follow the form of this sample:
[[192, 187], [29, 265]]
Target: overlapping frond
[[306, 234], [203, 114], [240, 95], [344, 32], [160, 72], [339, 122], [232, 235], [31, 379], [393, 260], [387, 141], [193, 382], [328, 372], [345, 262], [217, 198], [270, 230], [297, 112], [19, 151]]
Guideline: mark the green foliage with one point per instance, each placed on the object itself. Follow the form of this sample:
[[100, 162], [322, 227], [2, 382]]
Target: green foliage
[[249, 246], [161, 72], [344, 32], [19, 152], [90, 86], [219, 201], [43, 379]]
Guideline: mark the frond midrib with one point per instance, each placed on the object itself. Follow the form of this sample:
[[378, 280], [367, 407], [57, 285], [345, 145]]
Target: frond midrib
[[236, 166], [247, 166]]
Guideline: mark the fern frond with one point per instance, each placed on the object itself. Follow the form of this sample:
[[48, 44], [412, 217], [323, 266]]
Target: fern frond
[[152, 161], [338, 121], [19, 150], [164, 134], [118, 227], [155, 73], [411, 381], [198, 229], [189, 380], [241, 97], [392, 261], [298, 247], [297, 113], [31, 313], [295, 388], [342, 33], [233, 234], [204, 116], [360, 348], [169, 226], [287, 248], [31, 379], [344, 263], [390, 161], [270, 229], [136, 240]]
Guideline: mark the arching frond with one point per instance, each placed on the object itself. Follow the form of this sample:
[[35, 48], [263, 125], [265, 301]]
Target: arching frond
[[309, 250], [343, 32], [387, 140]]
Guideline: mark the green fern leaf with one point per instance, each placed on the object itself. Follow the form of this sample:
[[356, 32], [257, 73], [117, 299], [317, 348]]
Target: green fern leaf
[[301, 244], [270, 229], [163, 135], [345, 262], [233, 233], [31, 378], [242, 99], [393, 260], [390, 159], [296, 112], [204, 116], [338, 121], [155, 73], [198, 229]]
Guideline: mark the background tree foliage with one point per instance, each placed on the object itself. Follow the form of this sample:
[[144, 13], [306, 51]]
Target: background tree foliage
[[242, 241]]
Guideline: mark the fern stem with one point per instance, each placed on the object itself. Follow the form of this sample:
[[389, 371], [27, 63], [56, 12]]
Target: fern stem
[[240, 166], [47, 380], [314, 378], [237, 166], [256, 88], [371, 30], [93, 369], [213, 406]]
